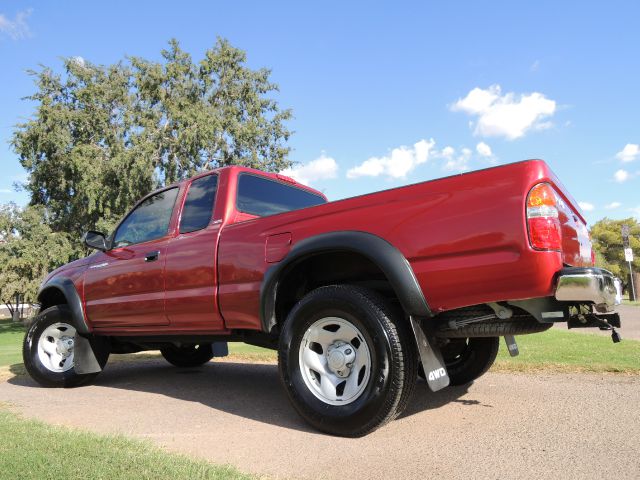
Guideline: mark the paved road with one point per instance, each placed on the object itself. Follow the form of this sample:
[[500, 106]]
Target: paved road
[[503, 426], [630, 318]]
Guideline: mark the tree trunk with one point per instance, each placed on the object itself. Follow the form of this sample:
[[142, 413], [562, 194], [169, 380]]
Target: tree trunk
[[15, 314], [634, 295]]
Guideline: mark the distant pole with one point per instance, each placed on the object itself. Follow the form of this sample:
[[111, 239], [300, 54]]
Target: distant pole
[[628, 255]]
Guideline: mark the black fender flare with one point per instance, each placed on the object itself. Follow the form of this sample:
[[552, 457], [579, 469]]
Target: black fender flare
[[68, 289], [388, 258]]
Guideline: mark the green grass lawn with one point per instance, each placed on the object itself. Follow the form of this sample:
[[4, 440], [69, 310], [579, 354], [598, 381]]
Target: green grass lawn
[[629, 302], [569, 351], [34, 450], [11, 335]]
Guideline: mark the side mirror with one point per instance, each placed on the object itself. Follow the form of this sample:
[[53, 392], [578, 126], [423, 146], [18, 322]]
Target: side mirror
[[95, 240]]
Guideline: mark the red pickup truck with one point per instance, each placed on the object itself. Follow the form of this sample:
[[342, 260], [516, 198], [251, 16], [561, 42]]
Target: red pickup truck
[[359, 296]]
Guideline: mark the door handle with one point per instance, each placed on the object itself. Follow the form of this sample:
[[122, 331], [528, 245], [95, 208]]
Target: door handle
[[152, 256]]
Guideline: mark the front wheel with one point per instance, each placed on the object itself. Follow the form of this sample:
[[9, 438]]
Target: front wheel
[[48, 349], [347, 360]]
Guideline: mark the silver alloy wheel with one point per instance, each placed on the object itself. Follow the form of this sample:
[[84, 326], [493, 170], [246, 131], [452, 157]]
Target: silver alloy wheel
[[55, 347], [335, 361]]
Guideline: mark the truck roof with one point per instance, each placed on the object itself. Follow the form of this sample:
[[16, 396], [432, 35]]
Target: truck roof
[[236, 168]]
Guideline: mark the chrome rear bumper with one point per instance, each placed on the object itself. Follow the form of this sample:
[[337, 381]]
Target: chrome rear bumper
[[592, 285]]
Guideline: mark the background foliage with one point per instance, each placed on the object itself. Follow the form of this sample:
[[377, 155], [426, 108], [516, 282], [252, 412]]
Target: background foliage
[[606, 235], [103, 136], [29, 249]]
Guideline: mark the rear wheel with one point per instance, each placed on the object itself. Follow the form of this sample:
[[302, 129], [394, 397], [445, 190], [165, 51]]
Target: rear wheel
[[48, 349], [186, 356], [346, 360], [469, 358]]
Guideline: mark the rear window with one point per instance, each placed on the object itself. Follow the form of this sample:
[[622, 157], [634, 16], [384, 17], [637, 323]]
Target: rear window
[[263, 197]]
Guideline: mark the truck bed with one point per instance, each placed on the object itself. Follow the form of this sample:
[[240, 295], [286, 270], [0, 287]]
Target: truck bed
[[470, 226]]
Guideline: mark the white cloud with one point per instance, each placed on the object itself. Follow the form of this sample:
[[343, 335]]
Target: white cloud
[[586, 206], [484, 150], [397, 164], [448, 152], [621, 176], [456, 162], [17, 28], [5, 190], [629, 153], [322, 168], [613, 205], [507, 115], [535, 66]]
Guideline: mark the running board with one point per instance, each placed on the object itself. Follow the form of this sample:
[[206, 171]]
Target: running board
[[434, 367]]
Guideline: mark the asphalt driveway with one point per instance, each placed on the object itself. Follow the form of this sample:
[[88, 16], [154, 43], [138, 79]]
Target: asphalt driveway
[[514, 426]]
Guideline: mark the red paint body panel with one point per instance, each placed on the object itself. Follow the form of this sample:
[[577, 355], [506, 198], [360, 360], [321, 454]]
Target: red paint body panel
[[191, 280], [465, 237], [276, 247], [122, 289]]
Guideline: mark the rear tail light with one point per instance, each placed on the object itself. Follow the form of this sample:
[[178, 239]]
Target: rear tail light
[[545, 232]]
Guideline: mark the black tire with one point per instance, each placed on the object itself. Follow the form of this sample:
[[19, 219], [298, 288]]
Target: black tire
[[469, 358], [393, 366], [41, 373], [188, 356]]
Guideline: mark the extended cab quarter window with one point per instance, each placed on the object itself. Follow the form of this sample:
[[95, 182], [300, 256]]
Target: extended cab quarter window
[[262, 196], [149, 221], [198, 207]]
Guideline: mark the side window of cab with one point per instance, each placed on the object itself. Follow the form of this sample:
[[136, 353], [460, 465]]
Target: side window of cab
[[198, 207], [148, 221]]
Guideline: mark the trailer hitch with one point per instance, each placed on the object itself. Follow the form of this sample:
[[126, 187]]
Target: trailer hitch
[[603, 322]]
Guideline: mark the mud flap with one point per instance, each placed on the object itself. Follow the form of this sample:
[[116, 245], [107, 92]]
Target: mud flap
[[434, 367], [84, 360]]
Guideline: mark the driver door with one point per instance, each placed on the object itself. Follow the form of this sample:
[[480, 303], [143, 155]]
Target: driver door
[[124, 286]]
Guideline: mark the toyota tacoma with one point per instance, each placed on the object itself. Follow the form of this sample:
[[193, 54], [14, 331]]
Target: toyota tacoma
[[358, 296]]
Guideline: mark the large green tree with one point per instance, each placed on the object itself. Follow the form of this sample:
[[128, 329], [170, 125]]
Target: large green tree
[[606, 235], [102, 136], [29, 249]]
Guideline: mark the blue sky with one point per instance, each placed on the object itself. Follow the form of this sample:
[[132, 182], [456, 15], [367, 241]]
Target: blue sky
[[386, 94]]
